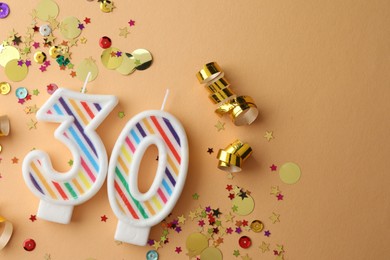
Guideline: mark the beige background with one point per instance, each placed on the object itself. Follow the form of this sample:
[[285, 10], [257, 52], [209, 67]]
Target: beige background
[[319, 72]]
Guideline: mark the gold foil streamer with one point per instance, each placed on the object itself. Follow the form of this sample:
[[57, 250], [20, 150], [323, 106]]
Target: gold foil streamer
[[210, 72], [221, 96], [232, 157], [218, 85], [242, 109], [4, 126], [7, 232]]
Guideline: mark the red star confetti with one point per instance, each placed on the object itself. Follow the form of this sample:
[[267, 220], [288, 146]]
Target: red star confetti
[[280, 196], [103, 218], [33, 218], [273, 167], [73, 74], [131, 23], [87, 20], [15, 160], [178, 249]]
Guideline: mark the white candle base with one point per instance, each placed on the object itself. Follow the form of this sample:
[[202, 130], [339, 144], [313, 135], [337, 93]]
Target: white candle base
[[54, 213], [131, 234]]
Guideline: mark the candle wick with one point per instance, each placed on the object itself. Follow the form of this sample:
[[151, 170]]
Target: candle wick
[[165, 99], [85, 82]]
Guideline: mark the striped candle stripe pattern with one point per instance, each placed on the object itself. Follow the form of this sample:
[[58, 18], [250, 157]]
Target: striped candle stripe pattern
[[149, 125], [78, 111]]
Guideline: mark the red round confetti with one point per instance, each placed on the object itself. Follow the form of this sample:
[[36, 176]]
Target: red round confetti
[[105, 42], [245, 242], [29, 244]]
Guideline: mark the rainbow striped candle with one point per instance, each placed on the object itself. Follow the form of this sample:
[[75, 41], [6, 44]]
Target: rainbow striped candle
[[79, 115], [138, 212]]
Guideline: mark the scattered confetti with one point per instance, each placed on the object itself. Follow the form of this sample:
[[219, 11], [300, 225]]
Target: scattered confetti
[[32, 124], [178, 249], [121, 114], [268, 135], [195, 196], [220, 126], [274, 217], [124, 32], [273, 167], [131, 23], [264, 247], [103, 218], [15, 160], [210, 150], [33, 218], [267, 233], [236, 253], [290, 173]]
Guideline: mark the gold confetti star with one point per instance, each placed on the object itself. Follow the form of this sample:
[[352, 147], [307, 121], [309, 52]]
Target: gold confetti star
[[275, 217], [124, 32], [27, 110], [51, 38], [229, 217], [47, 257], [275, 190], [264, 247], [192, 215], [34, 14], [236, 189], [220, 126], [279, 248], [246, 257], [181, 219], [53, 23], [230, 176], [156, 245], [83, 40], [269, 135], [32, 124], [73, 42]]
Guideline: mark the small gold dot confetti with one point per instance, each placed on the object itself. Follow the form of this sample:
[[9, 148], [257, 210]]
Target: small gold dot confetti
[[269, 135], [83, 40]]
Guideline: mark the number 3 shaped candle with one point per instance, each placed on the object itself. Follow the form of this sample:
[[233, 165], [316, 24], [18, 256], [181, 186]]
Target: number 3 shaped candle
[[138, 212], [79, 115]]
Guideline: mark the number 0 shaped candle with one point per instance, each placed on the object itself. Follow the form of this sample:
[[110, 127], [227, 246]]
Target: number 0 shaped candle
[[138, 212], [79, 115]]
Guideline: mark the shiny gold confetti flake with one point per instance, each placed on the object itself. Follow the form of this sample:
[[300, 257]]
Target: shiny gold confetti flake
[[269, 135], [274, 217]]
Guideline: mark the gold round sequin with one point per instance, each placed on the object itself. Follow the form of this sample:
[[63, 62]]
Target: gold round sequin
[[111, 58], [106, 6], [128, 65], [257, 226], [69, 27], [39, 57], [143, 59], [245, 205], [290, 173], [54, 51], [211, 253], [5, 88], [196, 243], [47, 9], [8, 53], [15, 72], [86, 66]]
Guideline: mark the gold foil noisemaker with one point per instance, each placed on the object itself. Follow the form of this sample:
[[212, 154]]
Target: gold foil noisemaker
[[242, 109], [232, 157]]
